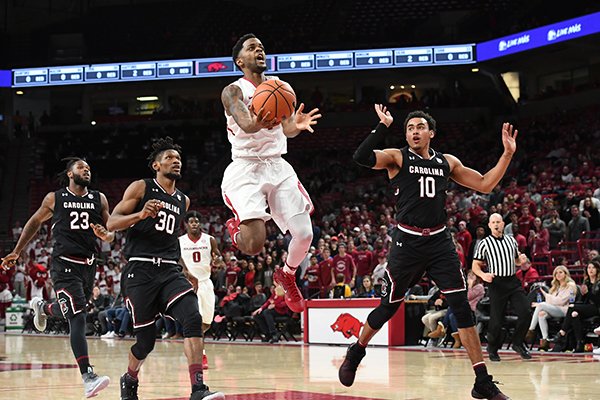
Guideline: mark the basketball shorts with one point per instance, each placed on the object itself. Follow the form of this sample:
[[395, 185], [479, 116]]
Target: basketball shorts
[[264, 189], [206, 300], [73, 284], [150, 290], [412, 256]]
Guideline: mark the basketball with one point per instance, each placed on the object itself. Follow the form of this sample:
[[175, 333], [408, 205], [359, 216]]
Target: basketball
[[276, 97]]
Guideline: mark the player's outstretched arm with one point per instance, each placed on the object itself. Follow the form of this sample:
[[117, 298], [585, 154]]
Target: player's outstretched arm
[[99, 230], [367, 155], [31, 228], [300, 121], [124, 215], [485, 183], [231, 97]]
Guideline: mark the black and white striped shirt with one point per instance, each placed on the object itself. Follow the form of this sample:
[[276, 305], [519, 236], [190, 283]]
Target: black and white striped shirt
[[499, 254]]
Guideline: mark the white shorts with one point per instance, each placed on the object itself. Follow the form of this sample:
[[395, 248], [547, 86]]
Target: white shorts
[[206, 300], [251, 185]]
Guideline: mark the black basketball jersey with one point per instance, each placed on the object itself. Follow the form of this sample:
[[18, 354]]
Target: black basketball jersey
[[157, 237], [71, 230], [420, 189]]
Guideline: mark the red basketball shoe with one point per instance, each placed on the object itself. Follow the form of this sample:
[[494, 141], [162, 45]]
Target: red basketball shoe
[[204, 361], [233, 227], [293, 297]]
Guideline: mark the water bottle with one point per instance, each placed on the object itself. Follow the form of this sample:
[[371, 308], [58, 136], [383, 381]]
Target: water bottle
[[572, 297], [540, 298]]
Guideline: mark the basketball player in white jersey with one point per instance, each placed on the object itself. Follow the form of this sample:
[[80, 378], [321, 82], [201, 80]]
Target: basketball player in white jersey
[[259, 178], [198, 250]]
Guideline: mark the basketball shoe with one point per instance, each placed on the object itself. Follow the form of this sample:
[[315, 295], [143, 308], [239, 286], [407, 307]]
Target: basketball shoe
[[39, 316], [485, 388], [347, 371], [293, 297], [233, 227], [205, 394], [93, 383], [129, 387], [204, 361]]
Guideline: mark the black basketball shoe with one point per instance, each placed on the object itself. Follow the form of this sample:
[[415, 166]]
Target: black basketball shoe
[[347, 372], [485, 388], [205, 394], [129, 387]]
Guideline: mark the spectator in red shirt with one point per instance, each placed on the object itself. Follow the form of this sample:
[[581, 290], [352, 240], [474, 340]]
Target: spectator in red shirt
[[312, 279], [325, 268], [521, 240], [265, 316], [249, 277], [363, 258], [527, 275], [343, 263], [525, 221], [539, 239], [232, 271], [385, 237], [463, 237]]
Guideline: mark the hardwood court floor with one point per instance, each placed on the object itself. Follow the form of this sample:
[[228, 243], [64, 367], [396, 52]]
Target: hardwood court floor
[[40, 367]]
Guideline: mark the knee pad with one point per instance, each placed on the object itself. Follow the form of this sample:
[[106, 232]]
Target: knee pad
[[459, 303], [382, 313], [186, 312], [144, 344]]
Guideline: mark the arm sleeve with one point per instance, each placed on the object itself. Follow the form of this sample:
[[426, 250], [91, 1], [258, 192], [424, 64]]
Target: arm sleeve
[[364, 154]]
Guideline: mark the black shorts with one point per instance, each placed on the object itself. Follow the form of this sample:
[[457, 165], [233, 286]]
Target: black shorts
[[73, 284], [150, 289], [412, 256]]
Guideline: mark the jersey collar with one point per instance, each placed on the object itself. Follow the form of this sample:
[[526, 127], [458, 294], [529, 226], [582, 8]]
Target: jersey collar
[[76, 195], [163, 189], [431, 153]]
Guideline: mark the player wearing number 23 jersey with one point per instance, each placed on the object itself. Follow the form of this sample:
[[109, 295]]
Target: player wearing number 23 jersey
[[77, 218]]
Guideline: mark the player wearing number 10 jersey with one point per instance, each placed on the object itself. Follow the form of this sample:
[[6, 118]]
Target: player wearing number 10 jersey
[[152, 282], [77, 218], [421, 242]]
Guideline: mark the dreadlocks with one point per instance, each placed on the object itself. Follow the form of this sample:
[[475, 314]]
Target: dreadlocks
[[62, 177], [159, 147]]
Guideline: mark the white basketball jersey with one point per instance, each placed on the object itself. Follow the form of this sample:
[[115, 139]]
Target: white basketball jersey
[[197, 255], [264, 143]]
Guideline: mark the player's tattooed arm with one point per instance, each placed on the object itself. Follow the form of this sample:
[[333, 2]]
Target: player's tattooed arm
[[247, 119], [31, 228]]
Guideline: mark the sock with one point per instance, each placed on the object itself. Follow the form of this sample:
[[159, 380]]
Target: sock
[[52, 309], [289, 270], [78, 342], [132, 373], [196, 375], [480, 370]]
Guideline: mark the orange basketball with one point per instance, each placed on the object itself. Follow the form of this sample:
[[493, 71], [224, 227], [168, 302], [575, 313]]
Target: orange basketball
[[274, 96]]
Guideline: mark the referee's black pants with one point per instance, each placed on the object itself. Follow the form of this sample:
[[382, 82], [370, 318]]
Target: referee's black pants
[[501, 291]]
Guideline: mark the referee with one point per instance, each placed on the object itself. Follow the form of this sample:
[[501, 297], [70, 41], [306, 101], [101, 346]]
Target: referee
[[501, 255]]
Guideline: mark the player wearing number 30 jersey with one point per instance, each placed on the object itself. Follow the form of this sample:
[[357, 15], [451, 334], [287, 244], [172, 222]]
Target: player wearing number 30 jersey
[[77, 218], [153, 283]]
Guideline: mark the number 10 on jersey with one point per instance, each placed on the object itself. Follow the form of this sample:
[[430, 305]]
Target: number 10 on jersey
[[427, 186]]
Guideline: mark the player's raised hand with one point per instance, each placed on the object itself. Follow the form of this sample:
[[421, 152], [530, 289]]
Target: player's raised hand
[[100, 231], [509, 138], [384, 115], [151, 208], [304, 122], [9, 261]]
